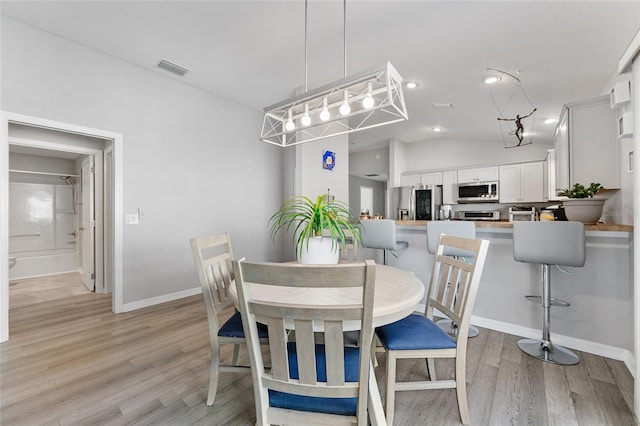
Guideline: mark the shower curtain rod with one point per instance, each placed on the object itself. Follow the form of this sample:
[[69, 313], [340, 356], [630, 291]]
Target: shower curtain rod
[[41, 173]]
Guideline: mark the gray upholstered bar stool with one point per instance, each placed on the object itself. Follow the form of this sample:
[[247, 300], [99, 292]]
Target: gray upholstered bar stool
[[381, 234], [458, 229], [549, 243]]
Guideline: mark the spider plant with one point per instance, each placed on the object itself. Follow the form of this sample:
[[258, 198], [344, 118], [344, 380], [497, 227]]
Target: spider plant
[[580, 191], [308, 218]]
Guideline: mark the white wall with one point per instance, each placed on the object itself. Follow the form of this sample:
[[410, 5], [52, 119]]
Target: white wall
[[367, 162], [438, 154], [315, 180], [192, 161]]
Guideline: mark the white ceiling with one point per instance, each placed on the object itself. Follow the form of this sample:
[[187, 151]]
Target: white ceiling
[[252, 52]]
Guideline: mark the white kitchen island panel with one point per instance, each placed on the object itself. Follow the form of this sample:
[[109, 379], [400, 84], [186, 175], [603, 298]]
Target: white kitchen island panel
[[600, 318]]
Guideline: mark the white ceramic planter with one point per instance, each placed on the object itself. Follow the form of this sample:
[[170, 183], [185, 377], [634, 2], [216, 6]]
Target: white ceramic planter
[[585, 210], [319, 251]]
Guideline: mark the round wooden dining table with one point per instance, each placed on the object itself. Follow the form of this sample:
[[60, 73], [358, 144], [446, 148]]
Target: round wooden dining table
[[397, 294]]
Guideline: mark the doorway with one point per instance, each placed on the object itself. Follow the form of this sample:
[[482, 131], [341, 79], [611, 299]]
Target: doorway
[[108, 179]]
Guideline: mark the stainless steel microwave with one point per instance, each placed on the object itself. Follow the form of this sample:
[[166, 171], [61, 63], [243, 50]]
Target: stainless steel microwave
[[478, 192]]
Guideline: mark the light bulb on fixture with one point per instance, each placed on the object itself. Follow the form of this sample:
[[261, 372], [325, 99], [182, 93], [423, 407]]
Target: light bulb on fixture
[[368, 101], [492, 78], [306, 120], [345, 109], [325, 115], [411, 85], [437, 129], [289, 126]]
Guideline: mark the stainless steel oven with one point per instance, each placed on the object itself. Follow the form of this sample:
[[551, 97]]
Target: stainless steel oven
[[479, 215]]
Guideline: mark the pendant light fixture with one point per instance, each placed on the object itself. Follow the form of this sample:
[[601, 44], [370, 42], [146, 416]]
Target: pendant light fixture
[[361, 101]]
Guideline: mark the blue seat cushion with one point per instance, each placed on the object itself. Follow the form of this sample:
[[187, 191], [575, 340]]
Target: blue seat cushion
[[341, 406], [414, 332], [233, 328]]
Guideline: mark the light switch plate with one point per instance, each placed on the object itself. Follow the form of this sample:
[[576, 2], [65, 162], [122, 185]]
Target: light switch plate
[[131, 219]]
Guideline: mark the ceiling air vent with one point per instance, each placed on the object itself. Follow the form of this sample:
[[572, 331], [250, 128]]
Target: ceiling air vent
[[172, 68], [372, 175]]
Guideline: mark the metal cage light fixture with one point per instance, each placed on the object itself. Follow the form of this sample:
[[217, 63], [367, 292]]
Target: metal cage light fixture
[[361, 101]]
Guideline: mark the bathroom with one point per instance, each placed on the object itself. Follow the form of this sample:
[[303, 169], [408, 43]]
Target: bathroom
[[45, 211]]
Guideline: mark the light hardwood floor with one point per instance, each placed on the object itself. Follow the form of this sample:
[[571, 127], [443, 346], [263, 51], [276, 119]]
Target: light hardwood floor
[[70, 361]]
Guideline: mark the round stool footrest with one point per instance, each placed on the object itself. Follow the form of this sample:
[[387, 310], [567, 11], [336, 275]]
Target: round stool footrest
[[554, 302]]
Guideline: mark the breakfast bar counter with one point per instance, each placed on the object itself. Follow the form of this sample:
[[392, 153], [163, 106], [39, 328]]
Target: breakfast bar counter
[[509, 225], [600, 318]]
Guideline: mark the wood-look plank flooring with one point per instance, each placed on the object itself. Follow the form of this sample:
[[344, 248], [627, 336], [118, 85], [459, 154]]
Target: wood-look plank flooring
[[70, 361]]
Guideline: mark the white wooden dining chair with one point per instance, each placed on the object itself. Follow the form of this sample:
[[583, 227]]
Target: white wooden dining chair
[[452, 291], [348, 250], [309, 383], [212, 256]]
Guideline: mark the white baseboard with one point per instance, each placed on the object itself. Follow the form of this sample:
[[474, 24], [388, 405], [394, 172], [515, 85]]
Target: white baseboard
[[127, 307], [607, 351]]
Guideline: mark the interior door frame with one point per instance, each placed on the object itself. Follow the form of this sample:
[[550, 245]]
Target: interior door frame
[[117, 175]]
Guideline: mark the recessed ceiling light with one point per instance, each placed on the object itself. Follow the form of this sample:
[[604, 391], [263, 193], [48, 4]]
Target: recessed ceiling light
[[437, 129], [550, 120], [442, 105], [492, 78], [411, 84]]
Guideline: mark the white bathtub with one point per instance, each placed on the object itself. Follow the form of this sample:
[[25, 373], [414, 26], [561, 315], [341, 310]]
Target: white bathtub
[[27, 265]]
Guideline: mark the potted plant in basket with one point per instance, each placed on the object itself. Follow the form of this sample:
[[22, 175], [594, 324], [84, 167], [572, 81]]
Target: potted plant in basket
[[581, 206], [309, 219]]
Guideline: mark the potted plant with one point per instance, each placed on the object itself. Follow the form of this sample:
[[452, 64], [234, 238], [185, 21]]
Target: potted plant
[[319, 226], [581, 206]]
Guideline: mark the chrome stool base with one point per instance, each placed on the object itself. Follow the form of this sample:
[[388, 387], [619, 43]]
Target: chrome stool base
[[554, 354], [452, 329]]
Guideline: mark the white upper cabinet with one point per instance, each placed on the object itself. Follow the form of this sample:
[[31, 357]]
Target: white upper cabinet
[[410, 180], [431, 178], [450, 187], [587, 146], [478, 174], [434, 178], [522, 183]]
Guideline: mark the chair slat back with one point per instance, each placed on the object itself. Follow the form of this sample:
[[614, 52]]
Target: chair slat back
[[308, 319], [212, 256], [454, 281], [348, 250]]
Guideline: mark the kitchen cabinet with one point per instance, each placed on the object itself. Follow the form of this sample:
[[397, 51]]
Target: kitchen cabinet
[[586, 144], [450, 187], [434, 178], [410, 180], [431, 178], [522, 183], [479, 174]]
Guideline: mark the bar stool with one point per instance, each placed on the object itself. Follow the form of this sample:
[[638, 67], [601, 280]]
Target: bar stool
[[381, 234], [457, 229], [549, 243]]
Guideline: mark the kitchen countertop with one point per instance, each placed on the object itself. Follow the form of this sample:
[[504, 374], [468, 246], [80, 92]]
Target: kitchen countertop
[[611, 227]]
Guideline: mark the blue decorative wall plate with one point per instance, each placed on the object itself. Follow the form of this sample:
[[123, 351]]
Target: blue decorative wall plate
[[328, 160]]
